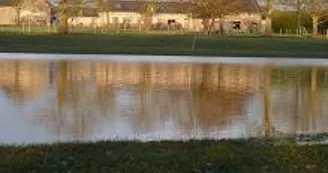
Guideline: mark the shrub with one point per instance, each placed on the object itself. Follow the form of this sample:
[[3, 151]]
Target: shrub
[[287, 20]]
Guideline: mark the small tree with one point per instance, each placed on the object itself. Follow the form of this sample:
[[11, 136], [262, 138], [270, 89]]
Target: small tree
[[63, 28], [149, 11], [209, 10], [149, 8], [317, 9], [17, 4], [104, 6], [268, 15]]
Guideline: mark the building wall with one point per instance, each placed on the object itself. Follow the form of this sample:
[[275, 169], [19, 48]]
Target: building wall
[[119, 18], [248, 22], [8, 16], [164, 17], [82, 21]]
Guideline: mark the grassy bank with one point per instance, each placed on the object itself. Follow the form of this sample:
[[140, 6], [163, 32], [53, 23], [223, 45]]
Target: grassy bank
[[192, 156], [166, 45]]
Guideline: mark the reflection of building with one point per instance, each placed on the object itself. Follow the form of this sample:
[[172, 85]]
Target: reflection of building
[[116, 74], [240, 78], [186, 93], [173, 76], [170, 95], [23, 78], [227, 78]]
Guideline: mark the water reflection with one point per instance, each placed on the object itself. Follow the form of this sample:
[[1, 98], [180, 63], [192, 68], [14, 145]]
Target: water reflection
[[49, 101]]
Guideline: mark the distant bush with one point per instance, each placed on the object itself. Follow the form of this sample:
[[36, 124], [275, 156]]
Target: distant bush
[[324, 25], [287, 20]]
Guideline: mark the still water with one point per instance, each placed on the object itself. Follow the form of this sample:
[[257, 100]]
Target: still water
[[45, 101]]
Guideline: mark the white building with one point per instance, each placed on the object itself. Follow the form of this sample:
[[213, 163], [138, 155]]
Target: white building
[[166, 16]]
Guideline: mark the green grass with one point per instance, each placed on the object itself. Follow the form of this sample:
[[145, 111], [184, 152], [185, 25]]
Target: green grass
[[260, 156], [166, 44]]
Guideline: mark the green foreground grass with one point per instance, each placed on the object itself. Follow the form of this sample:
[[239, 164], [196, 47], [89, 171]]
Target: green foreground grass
[[260, 156], [156, 44]]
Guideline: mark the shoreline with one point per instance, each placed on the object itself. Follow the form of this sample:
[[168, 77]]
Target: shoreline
[[142, 58]]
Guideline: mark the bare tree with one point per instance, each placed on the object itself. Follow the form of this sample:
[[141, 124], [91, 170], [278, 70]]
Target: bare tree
[[17, 4], [104, 6], [317, 9], [209, 10], [148, 10], [79, 6], [63, 28], [152, 7], [268, 14]]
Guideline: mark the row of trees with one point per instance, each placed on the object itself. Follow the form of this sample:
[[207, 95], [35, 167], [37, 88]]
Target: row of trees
[[318, 9], [209, 10]]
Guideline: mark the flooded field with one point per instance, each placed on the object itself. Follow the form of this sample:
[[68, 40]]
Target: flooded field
[[82, 100]]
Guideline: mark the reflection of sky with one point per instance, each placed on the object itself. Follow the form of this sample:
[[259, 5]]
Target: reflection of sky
[[15, 126], [19, 122]]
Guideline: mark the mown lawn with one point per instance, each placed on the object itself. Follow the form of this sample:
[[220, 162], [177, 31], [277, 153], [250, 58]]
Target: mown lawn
[[260, 156], [157, 44]]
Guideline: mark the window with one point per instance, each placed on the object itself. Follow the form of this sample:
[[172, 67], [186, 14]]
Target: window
[[236, 25], [171, 21], [126, 21]]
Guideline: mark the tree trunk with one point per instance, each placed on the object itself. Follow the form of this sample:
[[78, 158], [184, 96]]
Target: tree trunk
[[315, 25], [298, 14], [63, 28], [211, 26], [313, 104], [267, 102], [107, 18], [206, 25], [61, 82], [18, 16], [268, 23], [221, 25]]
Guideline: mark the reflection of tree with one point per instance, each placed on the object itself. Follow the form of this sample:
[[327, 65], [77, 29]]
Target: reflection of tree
[[104, 91], [23, 79], [76, 112], [75, 100], [213, 108], [180, 103], [297, 104], [187, 95], [169, 91], [230, 78], [313, 106], [267, 124]]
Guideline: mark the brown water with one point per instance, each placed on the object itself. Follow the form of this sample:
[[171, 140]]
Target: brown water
[[80, 100]]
